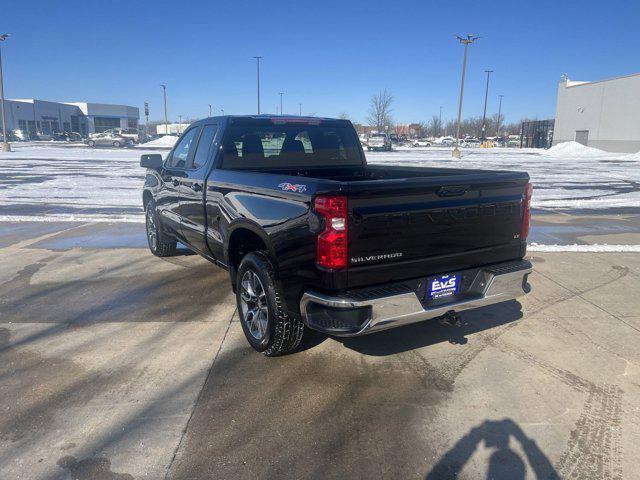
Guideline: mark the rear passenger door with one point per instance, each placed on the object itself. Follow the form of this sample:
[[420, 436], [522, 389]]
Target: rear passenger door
[[192, 195]]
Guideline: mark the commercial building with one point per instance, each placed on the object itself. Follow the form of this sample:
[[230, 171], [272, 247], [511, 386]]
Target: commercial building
[[604, 114], [31, 115]]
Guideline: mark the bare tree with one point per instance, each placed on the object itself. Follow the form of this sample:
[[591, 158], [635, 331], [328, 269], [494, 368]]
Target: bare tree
[[380, 110], [435, 126]]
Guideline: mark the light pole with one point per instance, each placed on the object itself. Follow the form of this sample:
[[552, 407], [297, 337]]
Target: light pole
[[166, 122], [440, 124], [484, 114], [179, 124], [258, 72], [281, 94], [499, 116], [222, 110], [465, 41], [300, 109], [5, 143], [209, 109]]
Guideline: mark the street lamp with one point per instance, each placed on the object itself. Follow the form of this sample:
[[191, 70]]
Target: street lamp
[[465, 41], [499, 116], [5, 143], [281, 94], [258, 72], [209, 109], [484, 115], [166, 122], [300, 109], [179, 124]]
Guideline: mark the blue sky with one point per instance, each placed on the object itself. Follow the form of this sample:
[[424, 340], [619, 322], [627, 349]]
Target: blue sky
[[329, 55]]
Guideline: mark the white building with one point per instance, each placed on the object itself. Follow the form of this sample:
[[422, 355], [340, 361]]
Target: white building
[[32, 115], [603, 114]]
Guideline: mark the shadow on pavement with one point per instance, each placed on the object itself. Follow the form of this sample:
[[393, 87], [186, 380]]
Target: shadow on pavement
[[504, 462], [430, 332]]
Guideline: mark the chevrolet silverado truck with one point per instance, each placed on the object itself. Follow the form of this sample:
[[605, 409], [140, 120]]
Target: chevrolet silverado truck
[[314, 237]]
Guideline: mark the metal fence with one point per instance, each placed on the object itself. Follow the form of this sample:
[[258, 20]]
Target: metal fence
[[536, 134]]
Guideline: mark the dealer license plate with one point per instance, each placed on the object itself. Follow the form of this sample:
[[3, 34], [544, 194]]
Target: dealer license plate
[[443, 286]]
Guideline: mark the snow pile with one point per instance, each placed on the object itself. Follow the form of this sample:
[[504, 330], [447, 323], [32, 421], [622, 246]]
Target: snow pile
[[535, 247], [168, 141], [573, 150]]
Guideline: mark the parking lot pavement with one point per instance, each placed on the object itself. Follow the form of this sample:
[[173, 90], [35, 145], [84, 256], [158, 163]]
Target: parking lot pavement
[[118, 365]]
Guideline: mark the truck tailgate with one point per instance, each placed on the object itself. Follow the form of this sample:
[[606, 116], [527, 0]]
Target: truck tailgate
[[407, 229]]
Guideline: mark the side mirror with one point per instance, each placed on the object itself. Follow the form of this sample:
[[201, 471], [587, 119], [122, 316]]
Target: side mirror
[[152, 161]]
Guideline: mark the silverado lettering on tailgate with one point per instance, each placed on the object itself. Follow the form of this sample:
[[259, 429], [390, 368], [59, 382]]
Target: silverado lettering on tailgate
[[374, 258]]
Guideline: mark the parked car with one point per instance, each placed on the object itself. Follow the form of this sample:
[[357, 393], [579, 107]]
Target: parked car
[[314, 237], [421, 142], [379, 141], [41, 136], [129, 133], [67, 136], [108, 139], [445, 141], [470, 142], [22, 135]]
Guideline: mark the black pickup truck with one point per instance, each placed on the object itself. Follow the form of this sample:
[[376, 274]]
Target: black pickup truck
[[313, 236]]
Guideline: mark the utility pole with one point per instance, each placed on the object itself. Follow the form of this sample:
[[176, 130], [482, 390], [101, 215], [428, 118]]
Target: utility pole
[[440, 124], [209, 109], [499, 116], [465, 41], [281, 94], [146, 116], [166, 122], [300, 109], [5, 142], [258, 71], [484, 114], [222, 110], [180, 125]]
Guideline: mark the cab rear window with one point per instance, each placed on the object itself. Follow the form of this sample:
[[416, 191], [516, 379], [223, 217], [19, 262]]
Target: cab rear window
[[272, 145]]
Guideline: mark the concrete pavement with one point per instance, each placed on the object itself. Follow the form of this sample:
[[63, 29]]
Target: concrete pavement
[[116, 365]]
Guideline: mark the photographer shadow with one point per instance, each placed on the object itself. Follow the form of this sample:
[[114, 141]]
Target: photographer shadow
[[504, 462]]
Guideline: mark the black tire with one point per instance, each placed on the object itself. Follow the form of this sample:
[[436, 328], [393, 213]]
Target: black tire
[[91, 143], [116, 144], [283, 333], [162, 246]]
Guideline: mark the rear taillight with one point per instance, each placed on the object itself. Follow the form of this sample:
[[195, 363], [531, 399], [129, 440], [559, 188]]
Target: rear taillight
[[526, 219], [332, 241]]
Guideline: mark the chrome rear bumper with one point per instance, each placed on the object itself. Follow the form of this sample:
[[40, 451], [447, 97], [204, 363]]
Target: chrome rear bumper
[[492, 284]]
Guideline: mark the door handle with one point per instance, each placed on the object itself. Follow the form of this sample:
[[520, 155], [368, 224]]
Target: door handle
[[175, 182], [196, 187]]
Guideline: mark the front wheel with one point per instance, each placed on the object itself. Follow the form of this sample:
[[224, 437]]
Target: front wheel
[[116, 144], [158, 244], [267, 326], [91, 143]]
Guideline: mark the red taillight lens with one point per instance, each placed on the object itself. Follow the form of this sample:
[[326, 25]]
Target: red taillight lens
[[526, 219], [332, 241]]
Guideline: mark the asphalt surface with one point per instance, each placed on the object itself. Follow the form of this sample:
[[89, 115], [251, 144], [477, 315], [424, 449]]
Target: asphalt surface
[[115, 364]]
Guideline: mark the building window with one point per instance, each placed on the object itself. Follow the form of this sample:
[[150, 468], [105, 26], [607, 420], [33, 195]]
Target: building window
[[46, 126], [32, 126], [22, 125], [66, 126], [75, 124], [132, 123], [105, 123]]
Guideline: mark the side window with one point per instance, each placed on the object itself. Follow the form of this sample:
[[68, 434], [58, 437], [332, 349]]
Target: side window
[[206, 139], [184, 147]]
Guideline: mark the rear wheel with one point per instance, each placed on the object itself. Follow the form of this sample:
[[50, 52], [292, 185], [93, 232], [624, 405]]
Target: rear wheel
[[159, 245], [91, 143], [116, 144], [267, 326]]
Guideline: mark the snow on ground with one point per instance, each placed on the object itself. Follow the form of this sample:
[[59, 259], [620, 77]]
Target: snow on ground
[[167, 141], [48, 183], [566, 177], [534, 247]]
